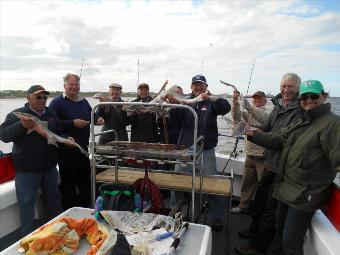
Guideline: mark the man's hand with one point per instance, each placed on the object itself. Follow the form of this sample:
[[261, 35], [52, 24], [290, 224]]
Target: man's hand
[[205, 95], [173, 100], [80, 123], [70, 142], [28, 124], [100, 121]]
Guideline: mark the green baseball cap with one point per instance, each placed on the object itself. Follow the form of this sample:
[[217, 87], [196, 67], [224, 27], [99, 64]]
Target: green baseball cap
[[311, 86]]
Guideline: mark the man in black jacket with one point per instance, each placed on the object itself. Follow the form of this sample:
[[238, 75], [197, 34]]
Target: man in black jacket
[[207, 112], [115, 118], [34, 159], [144, 125]]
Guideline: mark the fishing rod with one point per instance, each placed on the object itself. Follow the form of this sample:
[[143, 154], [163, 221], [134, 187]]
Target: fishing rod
[[251, 74], [137, 73], [81, 69]]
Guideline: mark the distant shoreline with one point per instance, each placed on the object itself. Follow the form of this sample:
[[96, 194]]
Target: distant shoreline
[[9, 94]]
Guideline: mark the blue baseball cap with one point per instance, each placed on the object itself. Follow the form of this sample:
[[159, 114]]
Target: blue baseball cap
[[198, 78]]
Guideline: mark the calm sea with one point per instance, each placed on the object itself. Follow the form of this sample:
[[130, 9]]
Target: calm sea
[[225, 144]]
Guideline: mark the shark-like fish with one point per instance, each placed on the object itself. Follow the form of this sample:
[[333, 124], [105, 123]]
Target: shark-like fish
[[41, 127], [238, 127], [189, 101], [130, 109]]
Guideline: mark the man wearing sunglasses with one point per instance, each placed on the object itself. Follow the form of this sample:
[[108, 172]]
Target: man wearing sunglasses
[[34, 159]]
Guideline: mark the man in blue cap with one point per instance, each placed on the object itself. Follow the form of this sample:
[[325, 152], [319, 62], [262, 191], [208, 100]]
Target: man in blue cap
[[207, 112]]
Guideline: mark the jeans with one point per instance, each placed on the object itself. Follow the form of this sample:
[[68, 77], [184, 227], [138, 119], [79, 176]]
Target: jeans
[[27, 185], [291, 225], [209, 168]]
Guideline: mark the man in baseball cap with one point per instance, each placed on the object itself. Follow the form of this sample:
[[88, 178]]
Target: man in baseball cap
[[36, 89]]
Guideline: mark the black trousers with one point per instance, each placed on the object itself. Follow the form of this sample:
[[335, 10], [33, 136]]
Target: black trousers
[[260, 199], [75, 174], [265, 213]]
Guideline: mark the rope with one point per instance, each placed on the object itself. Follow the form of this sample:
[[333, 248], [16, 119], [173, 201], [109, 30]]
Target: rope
[[145, 185]]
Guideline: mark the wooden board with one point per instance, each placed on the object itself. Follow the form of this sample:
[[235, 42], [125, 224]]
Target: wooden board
[[147, 150], [218, 184]]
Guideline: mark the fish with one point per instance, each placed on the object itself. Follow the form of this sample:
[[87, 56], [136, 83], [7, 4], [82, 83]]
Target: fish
[[41, 127], [189, 101], [243, 103], [99, 95], [238, 127], [140, 109]]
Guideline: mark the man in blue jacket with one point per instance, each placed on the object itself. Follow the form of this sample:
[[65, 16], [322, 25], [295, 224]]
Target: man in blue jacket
[[34, 159], [74, 113], [207, 112]]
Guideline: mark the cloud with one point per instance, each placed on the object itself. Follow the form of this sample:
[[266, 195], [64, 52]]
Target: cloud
[[173, 40]]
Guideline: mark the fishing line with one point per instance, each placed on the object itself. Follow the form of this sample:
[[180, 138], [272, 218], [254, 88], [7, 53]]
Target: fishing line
[[81, 69]]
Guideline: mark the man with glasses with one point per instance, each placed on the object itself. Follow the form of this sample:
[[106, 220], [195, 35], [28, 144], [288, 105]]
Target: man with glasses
[[34, 159]]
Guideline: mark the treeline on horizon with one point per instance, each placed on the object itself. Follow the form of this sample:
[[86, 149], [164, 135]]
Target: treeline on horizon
[[23, 93]]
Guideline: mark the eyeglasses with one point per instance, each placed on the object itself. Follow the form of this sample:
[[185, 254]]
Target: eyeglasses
[[41, 97], [312, 96]]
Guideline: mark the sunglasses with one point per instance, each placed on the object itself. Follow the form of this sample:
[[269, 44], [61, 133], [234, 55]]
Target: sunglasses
[[312, 96], [41, 97]]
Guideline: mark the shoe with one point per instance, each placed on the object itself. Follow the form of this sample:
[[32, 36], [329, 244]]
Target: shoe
[[237, 209], [247, 249], [245, 233], [217, 225]]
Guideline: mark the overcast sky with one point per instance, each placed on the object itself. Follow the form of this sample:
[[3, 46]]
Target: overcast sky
[[43, 40]]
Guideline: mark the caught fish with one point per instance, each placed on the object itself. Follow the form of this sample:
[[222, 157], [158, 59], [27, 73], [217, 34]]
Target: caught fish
[[140, 109], [99, 95], [41, 127], [243, 102], [238, 127], [189, 101]]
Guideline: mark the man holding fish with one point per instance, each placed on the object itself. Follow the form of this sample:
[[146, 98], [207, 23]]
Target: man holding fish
[[143, 124], [262, 227], [257, 116], [115, 118], [74, 113], [207, 111], [34, 158]]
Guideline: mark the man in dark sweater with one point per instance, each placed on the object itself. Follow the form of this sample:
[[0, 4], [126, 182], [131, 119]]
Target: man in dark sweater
[[143, 125], [34, 159], [74, 113], [115, 118]]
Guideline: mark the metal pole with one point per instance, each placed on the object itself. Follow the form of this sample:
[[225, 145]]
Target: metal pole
[[92, 136], [93, 158]]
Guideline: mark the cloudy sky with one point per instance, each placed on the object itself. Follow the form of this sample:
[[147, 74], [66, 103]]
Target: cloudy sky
[[43, 40]]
